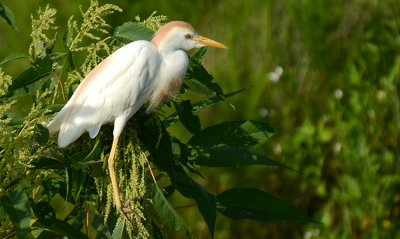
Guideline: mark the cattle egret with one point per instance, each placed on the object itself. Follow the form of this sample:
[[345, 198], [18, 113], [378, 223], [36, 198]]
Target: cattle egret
[[114, 90]]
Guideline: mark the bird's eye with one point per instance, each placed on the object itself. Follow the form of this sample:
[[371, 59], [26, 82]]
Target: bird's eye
[[188, 36]]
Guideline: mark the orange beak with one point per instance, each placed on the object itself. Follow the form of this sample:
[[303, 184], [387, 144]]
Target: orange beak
[[208, 42]]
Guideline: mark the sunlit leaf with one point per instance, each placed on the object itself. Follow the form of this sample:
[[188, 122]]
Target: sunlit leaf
[[30, 80], [132, 31], [199, 55], [67, 37], [7, 15], [12, 57], [242, 134], [198, 80], [252, 203], [62, 207], [119, 232], [16, 205]]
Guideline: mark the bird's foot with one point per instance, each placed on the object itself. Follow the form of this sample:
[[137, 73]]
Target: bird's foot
[[124, 210]]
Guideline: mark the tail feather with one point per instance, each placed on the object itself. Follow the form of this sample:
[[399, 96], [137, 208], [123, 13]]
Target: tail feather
[[62, 123], [69, 134], [55, 124]]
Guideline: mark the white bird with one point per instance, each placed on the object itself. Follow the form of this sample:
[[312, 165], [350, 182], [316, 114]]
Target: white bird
[[115, 89]]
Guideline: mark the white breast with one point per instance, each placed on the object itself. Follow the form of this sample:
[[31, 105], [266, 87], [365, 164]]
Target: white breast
[[170, 77]]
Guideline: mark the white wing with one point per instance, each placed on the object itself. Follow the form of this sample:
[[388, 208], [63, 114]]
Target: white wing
[[113, 90]]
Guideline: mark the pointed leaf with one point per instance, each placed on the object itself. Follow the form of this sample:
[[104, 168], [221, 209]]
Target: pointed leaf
[[205, 201], [156, 231], [67, 37], [252, 203], [198, 80], [228, 157], [48, 163], [118, 232], [94, 155], [102, 228], [199, 55], [16, 205], [242, 134], [43, 209], [132, 31], [173, 118], [40, 134], [167, 213], [12, 57], [7, 15], [158, 143], [59, 227], [190, 121], [181, 154], [30, 80]]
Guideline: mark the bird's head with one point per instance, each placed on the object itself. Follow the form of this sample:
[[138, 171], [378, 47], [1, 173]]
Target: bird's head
[[178, 35]]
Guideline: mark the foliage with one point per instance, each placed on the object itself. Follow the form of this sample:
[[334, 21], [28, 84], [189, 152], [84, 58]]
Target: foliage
[[48, 192]]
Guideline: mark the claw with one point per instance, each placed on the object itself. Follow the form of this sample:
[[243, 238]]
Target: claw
[[123, 213], [125, 210]]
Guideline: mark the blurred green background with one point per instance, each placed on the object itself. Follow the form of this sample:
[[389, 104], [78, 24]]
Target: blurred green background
[[334, 107]]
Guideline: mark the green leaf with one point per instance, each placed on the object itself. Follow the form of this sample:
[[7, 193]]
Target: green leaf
[[12, 57], [205, 200], [167, 213], [40, 134], [241, 134], [229, 157], [252, 203], [53, 108], [67, 37], [93, 155], [158, 143], [7, 15], [46, 234], [56, 55], [181, 153], [119, 232], [3, 214], [132, 31], [59, 227], [156, 231], [173, 118], [78, 181], [190, 121], [68, 66], [16, 205], [198, 80], [43, 209], [49, 163], [199, 55], [101, 227], [30, 80]]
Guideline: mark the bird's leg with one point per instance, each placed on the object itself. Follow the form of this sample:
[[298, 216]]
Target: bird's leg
[[114, 183]]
